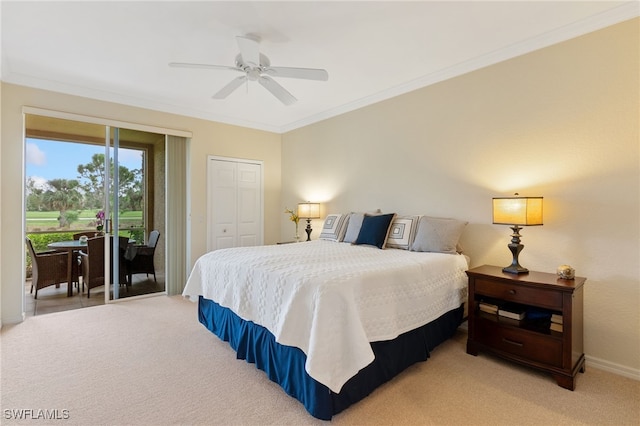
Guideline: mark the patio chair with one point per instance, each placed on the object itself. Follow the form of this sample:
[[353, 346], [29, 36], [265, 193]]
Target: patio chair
[[93, 263], [142, 262], [48, 267], [77, 264]]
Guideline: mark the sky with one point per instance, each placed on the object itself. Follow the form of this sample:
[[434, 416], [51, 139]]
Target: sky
[[46, 160]]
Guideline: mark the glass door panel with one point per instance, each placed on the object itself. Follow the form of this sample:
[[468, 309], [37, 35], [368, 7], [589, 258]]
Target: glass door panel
[[89, 179], [137, 211]]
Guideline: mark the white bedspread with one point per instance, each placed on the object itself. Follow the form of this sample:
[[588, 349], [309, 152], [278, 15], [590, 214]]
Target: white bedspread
[[331, 299]]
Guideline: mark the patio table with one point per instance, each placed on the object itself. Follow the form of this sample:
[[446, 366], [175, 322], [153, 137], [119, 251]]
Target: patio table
[[75, 245], [69, 247]]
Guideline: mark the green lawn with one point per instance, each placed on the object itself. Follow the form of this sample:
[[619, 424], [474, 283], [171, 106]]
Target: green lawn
[[48, 221], [43, 227]]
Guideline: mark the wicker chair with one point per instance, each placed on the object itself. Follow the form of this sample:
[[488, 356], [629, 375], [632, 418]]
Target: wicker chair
[[142, 262], [77, 264], [48, 267], [93, 263]]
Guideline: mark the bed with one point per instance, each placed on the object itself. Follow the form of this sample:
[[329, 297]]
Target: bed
[[329, 321]]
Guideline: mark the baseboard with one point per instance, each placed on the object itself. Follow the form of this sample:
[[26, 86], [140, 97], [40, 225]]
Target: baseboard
[[612, 367], [13, 320]]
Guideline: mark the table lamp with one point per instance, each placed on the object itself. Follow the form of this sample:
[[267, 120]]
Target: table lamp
[[517, 211], [309, 211]]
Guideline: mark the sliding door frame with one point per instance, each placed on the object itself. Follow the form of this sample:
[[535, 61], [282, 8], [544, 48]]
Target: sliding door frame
[[178, 233]]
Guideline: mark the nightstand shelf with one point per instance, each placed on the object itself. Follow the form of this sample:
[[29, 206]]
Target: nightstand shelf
[[528, 341], [541, 327]]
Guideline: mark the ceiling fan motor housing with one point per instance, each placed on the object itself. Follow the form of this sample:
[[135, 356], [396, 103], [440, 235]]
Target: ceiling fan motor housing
[[253, 71], [254, 64]]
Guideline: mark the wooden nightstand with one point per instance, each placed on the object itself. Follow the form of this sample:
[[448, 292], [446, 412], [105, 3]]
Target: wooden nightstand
[[528, 341]]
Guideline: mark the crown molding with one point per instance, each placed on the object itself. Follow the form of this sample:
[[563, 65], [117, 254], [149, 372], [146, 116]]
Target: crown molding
[[625, 11], [118, 98], [593, 23]]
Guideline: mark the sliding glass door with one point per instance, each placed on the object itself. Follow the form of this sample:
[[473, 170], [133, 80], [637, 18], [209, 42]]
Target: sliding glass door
[[98, 181]]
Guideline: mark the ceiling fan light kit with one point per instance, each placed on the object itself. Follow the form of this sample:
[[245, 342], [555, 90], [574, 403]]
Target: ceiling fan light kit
[[256, 67]]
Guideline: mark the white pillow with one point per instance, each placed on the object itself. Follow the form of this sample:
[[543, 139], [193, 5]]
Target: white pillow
[[334, 227], [402, 232], [353, 227], [438, 235]]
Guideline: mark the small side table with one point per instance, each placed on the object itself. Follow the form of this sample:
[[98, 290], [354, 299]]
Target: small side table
[[524, 341]]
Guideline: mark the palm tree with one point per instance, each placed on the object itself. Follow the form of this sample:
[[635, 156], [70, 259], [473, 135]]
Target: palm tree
[[63, 195], [34, 194], [92, 176]]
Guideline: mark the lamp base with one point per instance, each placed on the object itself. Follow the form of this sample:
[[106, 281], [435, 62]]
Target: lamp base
[[515, 269], [515, 247], [308, 229]]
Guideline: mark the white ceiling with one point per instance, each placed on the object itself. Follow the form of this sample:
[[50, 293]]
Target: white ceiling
[[119, 51]]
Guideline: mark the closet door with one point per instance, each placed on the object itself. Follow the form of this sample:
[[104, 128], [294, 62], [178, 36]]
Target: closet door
[[249, 197], [234, 203]]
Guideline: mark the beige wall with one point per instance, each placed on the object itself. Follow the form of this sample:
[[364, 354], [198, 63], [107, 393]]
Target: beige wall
[[1, 212], [209, 138], [561, 122]]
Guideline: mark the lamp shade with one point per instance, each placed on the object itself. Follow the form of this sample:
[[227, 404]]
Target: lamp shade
[[521, 211], [309, 210]]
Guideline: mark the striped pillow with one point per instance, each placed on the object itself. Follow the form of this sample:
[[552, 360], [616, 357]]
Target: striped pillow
[[402, 232], [334, 227]]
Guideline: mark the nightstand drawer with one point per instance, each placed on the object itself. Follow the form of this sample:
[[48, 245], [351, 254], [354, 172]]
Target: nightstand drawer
[[519, 294], [530, 346]]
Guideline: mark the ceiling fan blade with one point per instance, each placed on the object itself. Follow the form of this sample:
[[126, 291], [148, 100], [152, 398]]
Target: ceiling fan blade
[[202, 66], [277, 90], [304, 73], [249, 50], [230, 87]]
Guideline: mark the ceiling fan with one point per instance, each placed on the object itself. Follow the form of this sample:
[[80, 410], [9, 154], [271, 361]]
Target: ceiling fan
[[256, 67]]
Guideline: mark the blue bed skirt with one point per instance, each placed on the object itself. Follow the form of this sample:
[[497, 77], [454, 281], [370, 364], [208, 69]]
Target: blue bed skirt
[[285, 364]]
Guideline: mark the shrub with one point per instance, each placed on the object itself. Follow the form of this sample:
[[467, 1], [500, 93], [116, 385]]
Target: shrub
[[137, 234]]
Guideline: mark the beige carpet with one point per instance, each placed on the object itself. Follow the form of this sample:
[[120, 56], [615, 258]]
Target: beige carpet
[[149, 362]]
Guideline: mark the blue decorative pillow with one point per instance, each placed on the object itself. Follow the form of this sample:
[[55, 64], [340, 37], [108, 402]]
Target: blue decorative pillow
[[353, 227], [374, 230]]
